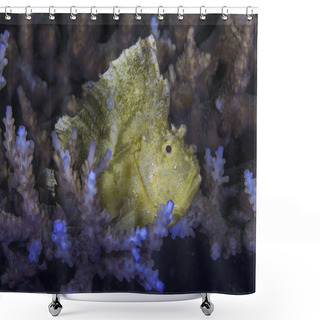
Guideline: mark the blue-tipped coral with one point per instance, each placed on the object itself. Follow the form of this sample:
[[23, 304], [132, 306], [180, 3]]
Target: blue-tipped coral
[[59, 236], [205, 212], [250, 189], [4, 37], [77, 232], [34, 251]]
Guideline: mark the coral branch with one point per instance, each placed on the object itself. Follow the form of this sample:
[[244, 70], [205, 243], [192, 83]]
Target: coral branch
[[68, 191], [163, 219], [166, 49], [26, 234], [12, 228], [184, 227], [10, 136], [214, 169], [19, 268], [34, 251], [250, 184], [205, 214], [62, 245], [3, 166], [249, 236], [39, 136], [19, 153], [149, 277], [25, 175], [76, 230], [193, 62], [3, 61]]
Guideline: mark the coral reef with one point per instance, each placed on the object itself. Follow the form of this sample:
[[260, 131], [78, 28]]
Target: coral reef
[[78, 227], [57, 232], [214, 83], [185, 81], [166, 48], [206, 213]]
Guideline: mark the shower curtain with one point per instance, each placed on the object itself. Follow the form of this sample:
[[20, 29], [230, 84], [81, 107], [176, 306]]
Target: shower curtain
[[128, 154]]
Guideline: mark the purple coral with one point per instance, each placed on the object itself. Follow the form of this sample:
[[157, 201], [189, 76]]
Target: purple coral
[[150, 278], [163, 219], [250, 184], [226, 236], [215, 165], [20, 155], [215, 251], [141, 243], [66, 161], [9, 134], [183, 228], [60, 239], [155, 27], [139, 235], [24, 147], [55, 141], [3, 61], [34, 251], [91, 187], [25, 150], [96, 239], [128, 241], [205, 214], [59, 236]]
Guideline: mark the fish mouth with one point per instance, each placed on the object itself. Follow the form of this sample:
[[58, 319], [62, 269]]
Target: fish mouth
[[184, 194]]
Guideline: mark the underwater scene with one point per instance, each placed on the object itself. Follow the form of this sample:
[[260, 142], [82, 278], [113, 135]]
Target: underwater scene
[[128, 154]]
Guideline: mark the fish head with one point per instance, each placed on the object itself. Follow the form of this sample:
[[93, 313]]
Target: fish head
[[169, 170]]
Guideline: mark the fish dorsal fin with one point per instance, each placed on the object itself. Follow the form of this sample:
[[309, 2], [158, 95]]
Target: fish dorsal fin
[[131, 100]]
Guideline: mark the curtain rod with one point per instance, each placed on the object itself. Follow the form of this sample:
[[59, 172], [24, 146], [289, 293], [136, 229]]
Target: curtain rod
[[130, 10]]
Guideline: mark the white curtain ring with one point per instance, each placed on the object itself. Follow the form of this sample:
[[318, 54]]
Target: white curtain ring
[[7, 10], [249, 15], [224, 13], [73, 13], [93, 14], [160, 14], [28, 13], [203, 13], [180, 13], [116, 14], [138, 15], [52, 11]]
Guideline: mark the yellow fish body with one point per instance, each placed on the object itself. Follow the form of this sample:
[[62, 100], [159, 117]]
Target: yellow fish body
[[126, 111]]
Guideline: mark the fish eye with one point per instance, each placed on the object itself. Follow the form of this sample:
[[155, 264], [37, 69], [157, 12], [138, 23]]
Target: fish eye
[[168, 148]]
